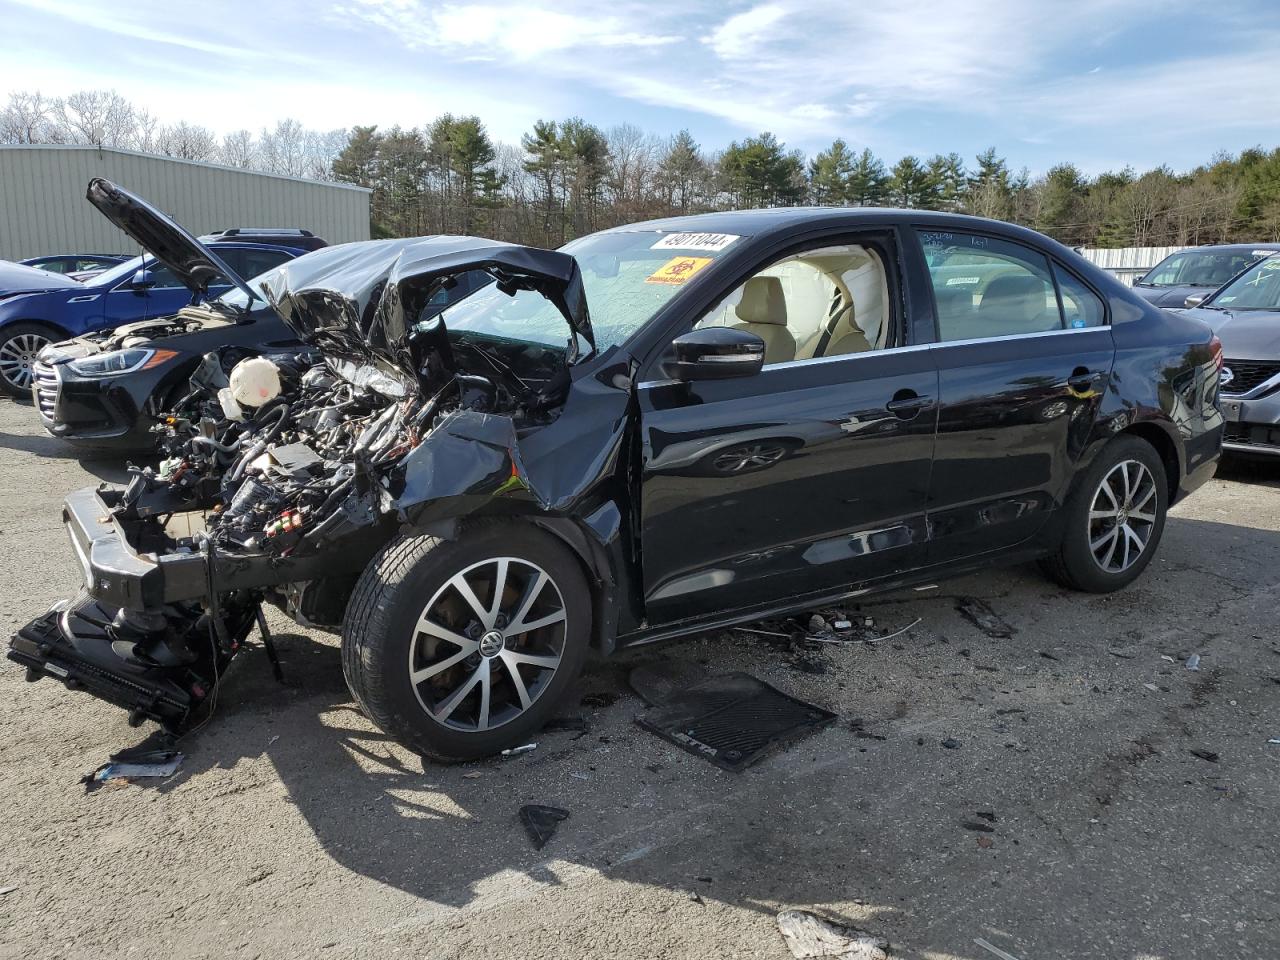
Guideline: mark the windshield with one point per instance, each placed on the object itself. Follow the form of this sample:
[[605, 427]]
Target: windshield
[[1199, 268], [113, 276], [1259, 289], [627, 277]]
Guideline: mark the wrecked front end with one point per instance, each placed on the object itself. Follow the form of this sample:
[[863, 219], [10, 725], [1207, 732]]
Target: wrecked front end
[[280, 481]]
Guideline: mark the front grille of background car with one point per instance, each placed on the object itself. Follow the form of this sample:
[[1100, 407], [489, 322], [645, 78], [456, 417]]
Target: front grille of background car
[[46, 380], [1247, 374], [1252, 434]]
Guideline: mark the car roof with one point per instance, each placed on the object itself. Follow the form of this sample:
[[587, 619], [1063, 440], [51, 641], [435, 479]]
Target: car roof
[[764, 221], [1229, 247]]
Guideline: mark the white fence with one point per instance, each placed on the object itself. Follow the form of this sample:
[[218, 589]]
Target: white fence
[[1127, 263]]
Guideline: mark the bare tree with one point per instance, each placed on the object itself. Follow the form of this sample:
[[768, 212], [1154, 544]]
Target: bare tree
[[99, 117], [283, 150], [186, 141], [28, 117], [238, 149]]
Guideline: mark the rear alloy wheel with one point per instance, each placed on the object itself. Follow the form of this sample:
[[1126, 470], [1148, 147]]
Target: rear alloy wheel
[[484, 662], [20, 344], [1113, 520], [1122, 516]]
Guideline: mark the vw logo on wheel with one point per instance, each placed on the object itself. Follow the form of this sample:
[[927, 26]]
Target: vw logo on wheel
[[1225, 376]]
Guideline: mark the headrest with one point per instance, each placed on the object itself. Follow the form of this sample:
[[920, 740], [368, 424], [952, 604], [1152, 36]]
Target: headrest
[[1013, 287], [763, 302]]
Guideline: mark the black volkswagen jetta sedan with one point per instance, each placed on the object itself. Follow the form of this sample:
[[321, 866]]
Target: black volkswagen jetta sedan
[[659, 430]]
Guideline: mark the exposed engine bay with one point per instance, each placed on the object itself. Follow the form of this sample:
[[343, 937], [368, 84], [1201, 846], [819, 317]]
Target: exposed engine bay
[[280, 479]]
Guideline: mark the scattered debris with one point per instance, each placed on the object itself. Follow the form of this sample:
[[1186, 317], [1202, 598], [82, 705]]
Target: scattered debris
[[516, 751], [1274, 740], [733, 720], [696, 897], [580, 776], [541, 822], [472, 775], [1152, 687], [842, 624], [810, 937], [985, 842], [1047, 655], [870, 622], [1165, 656], [977, 827], [980, 614], [130, 765], [817, 624], [950, 744], [994, 950], [763, 633], [605, 698], [1207, 755], [5, 891], [1193, 662]]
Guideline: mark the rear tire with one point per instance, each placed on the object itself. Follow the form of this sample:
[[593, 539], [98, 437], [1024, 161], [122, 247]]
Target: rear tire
[[19, 344], [1113, 520], [434, 662]]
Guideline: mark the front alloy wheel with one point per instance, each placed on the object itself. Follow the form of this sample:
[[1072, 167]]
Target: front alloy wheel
[[18, 359], [1122, 516], [487, 644], [492, 653]]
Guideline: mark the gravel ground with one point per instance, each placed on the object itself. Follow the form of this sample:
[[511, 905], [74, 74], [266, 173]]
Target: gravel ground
[[296, 829]]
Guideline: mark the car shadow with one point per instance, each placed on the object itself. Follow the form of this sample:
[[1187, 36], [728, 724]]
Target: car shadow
[[108, 466], [848, 813], [1262, 471]]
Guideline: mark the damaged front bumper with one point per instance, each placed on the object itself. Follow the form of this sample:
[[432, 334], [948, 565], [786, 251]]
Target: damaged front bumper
[[152, 629]]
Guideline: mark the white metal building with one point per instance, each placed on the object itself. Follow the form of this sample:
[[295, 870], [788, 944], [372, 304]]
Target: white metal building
[[43, 209]]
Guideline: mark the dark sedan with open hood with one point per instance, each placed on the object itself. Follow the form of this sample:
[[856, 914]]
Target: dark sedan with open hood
[[659, 430]]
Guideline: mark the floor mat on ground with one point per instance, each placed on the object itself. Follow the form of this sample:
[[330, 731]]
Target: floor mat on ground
[[733, 721]]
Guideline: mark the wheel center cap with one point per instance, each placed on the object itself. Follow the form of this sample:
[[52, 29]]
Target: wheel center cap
[[491, 644]]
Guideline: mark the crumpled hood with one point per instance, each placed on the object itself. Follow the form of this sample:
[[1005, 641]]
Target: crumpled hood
[[15, 278], [192, 262], [361, 300], [1245, 334]]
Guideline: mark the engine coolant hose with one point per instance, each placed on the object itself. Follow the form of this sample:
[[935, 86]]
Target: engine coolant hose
[[256, 450]]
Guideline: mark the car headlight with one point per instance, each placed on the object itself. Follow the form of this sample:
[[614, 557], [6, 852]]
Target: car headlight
[[119, 362]]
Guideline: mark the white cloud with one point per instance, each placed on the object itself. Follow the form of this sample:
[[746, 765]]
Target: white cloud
[[743, 33]]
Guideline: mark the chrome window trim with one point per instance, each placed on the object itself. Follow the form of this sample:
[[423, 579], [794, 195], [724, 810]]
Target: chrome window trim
[[1019, 336]]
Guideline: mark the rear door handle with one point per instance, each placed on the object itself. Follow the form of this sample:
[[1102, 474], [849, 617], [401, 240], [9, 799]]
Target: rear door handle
[[908, 407], [1083, 379]]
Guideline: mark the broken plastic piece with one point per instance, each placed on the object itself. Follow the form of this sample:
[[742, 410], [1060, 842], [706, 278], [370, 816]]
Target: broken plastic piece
[[163, 767], [540, 822], [1193, 662], [993, 949], [516, 751], [809, 937], [841, 624]]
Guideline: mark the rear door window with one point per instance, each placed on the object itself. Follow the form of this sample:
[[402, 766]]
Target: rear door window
[[985, 287]]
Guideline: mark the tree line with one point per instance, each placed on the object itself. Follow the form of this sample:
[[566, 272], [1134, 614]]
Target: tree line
[[569, 177]]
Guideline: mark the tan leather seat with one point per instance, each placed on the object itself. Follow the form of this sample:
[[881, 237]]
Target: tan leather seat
[[763, 311]]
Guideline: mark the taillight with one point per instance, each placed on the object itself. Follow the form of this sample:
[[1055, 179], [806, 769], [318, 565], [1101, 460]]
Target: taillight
[[1215, 345]]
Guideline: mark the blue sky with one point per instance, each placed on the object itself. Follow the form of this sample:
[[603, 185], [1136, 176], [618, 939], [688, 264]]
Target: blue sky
[[1098, 82]]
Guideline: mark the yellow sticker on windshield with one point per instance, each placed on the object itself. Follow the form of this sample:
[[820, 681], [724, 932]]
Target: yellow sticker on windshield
[[677, 270]]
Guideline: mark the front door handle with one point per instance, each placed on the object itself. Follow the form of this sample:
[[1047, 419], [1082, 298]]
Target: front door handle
[[907, 404]]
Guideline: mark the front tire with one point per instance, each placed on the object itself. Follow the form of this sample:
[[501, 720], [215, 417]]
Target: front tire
[[19, 345], [458, 649], [1114, 519]]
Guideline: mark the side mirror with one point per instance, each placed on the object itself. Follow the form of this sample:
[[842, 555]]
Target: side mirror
[[142, 280], [715, 353], [1195, 300]]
